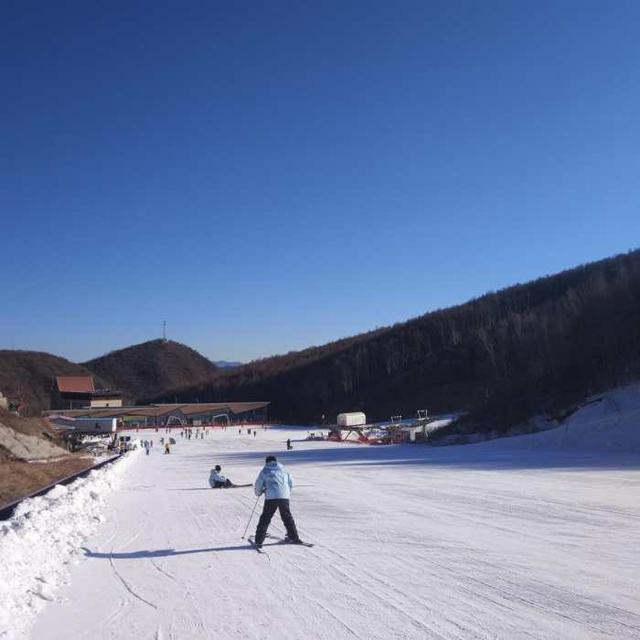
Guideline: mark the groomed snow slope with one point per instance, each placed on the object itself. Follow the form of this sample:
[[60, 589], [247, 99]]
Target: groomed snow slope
[[43, 538], [606, 422], [465, 542]]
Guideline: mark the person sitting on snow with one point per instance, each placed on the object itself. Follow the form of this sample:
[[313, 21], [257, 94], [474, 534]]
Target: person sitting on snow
[[217, 480]]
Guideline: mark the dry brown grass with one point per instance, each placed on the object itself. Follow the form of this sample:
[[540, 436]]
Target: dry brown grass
[[19, 479]]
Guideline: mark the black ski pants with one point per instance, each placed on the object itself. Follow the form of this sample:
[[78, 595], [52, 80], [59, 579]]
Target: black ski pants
[[268, 510]]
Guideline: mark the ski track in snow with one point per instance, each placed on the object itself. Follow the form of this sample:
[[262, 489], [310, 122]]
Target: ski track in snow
[[410, 542], [44, 538]]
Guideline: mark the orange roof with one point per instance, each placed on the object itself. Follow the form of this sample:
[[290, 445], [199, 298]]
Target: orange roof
[[75, 384]]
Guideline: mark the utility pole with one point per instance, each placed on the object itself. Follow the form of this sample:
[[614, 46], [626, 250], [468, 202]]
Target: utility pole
[[164, 331]]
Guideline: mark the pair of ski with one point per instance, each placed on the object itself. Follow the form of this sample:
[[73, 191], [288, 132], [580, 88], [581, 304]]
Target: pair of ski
[[278, 541], [235, 486]]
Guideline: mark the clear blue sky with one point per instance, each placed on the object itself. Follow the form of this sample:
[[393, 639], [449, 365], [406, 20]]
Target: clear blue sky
[[271, 175]]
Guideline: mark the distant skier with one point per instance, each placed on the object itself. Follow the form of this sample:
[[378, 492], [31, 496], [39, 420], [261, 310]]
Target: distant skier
[[217, 480], [289, 445], [166, 448], [276, 481]]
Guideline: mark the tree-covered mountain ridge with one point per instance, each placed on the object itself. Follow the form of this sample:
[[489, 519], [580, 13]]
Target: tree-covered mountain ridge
[[529, 348]]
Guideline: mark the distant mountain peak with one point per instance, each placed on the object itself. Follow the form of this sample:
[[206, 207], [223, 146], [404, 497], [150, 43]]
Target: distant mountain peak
[[227, 364], [148, 368]]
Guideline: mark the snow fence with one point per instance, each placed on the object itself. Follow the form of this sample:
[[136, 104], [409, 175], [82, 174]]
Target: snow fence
[[43, 538]]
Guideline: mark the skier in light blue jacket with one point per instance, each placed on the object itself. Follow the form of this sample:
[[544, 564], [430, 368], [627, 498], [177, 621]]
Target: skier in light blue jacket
[[276, 482]]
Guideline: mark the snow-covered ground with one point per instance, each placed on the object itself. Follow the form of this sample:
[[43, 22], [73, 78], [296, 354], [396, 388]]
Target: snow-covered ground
[[480, 541], [43, 538], [606, 422]]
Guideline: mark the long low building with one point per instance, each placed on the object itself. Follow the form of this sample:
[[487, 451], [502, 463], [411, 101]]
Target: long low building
[[176, 414]]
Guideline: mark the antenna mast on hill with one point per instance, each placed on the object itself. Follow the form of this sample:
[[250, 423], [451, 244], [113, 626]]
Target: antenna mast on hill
[[164, 331]]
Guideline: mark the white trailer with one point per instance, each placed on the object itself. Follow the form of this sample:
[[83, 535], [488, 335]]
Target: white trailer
[[354, 419], [84, 426]]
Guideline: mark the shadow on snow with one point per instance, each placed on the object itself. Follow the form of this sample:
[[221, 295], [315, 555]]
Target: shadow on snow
[[491, 455], [160, 553]]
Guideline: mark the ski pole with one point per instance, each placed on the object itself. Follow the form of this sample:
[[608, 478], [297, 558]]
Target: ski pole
[[250, 517]]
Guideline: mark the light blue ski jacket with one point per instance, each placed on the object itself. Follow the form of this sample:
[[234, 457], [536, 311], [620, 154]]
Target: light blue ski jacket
[[275, 480], [214, 477]]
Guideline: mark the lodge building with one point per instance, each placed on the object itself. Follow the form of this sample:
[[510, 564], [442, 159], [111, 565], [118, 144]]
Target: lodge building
[[79, 392]]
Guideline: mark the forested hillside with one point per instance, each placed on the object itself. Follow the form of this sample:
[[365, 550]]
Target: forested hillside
[[503, 356], [137, 371], [533, 347], [27, 376]]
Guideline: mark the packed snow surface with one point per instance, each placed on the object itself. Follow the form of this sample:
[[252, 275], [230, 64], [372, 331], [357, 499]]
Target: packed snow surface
[[605, 422], [43, 538], [480, 541]]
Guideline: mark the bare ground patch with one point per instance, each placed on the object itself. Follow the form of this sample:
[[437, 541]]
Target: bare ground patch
[[19, 478]]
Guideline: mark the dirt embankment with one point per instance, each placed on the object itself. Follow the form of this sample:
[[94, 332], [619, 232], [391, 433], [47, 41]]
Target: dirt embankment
[[19, 479], [31, 457]]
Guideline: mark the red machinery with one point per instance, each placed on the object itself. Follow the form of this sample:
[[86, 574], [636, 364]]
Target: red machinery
[[335, 435]]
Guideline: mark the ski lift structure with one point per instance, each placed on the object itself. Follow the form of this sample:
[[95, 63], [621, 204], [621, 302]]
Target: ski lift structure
[[353, 428], [221, 417]]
